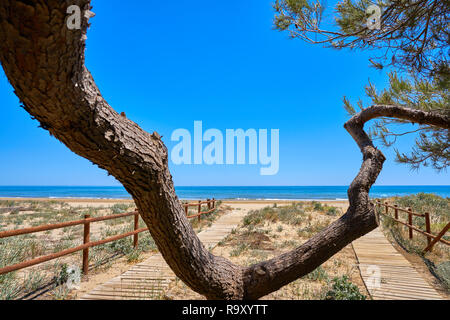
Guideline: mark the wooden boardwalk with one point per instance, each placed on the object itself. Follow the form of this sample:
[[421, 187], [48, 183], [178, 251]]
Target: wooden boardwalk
[[387, 274], [148, 280]]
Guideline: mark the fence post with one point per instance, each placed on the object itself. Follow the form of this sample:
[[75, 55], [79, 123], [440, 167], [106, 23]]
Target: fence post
[[86, 239], [136, 226], [396, 211], [378, 206], [209, 203], [410, 222], [428, 227], [199, 209], [214, 203], [386, 206], [437, 238], [186, 209]]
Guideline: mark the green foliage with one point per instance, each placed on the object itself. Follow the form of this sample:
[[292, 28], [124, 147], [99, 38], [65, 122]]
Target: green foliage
[[352, 15], [438, 207], [292, 214], [62, 275], [9, 287], [439, 210], [122, 246], [318, 206], [33, 281], [443, 271], [146, 242], [414, 35], [290, 10], [120, 208], [414, 38], [333, 211], [239, 249], [432, 146], [134, 256], [343, 289], [319, 274], [312, 228], [14, 250], [206, 219], [328, 210]]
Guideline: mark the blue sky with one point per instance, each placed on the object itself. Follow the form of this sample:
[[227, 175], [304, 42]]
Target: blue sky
[[169, 63]]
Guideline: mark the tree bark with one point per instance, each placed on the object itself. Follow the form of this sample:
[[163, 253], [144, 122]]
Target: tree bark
[[44, 61]]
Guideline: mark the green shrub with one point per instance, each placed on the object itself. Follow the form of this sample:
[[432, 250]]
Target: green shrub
[[438, 207], [332, 211], [439, 210], [63, 275], [343, 289], [443, 272], [319, 274], [292, 214], [146, 242], [134, 256], [9, 287], [120, 208], [239, 249], [311, 229], [317, 206], [14, 250]]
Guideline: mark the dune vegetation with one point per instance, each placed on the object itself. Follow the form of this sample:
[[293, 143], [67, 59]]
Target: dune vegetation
[[438, 261]]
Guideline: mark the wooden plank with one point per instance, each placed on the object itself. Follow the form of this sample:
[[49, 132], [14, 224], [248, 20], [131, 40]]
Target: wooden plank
[[386, 273], [132, 285]]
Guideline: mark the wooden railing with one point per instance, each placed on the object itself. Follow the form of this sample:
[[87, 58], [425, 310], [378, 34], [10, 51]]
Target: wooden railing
[[431, 238], [86, 222], [211, 204]]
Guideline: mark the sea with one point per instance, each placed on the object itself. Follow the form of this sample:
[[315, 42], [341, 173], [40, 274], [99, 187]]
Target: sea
[[221, 192]]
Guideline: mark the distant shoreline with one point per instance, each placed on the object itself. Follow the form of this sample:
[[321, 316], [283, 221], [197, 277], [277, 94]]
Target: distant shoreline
[[113, 200], [225, 193], [64, 199]]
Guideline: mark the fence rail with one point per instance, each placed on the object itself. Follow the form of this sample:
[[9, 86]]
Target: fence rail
[[431, 238], [211, 207], [86, 222]]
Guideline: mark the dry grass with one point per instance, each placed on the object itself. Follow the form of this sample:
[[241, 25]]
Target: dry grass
[[207, 220], [44, 280], [438, 261], [263, 234], [268, 232]]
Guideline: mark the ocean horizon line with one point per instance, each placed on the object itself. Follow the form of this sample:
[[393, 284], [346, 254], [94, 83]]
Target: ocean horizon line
[[294, 193], [231, 186]]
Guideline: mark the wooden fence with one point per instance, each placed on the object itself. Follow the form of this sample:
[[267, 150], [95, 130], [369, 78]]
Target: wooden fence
[[431, 238], [86, 222], [211, 207]]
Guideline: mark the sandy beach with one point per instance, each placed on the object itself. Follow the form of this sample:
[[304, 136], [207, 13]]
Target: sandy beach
[[88, 202]]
